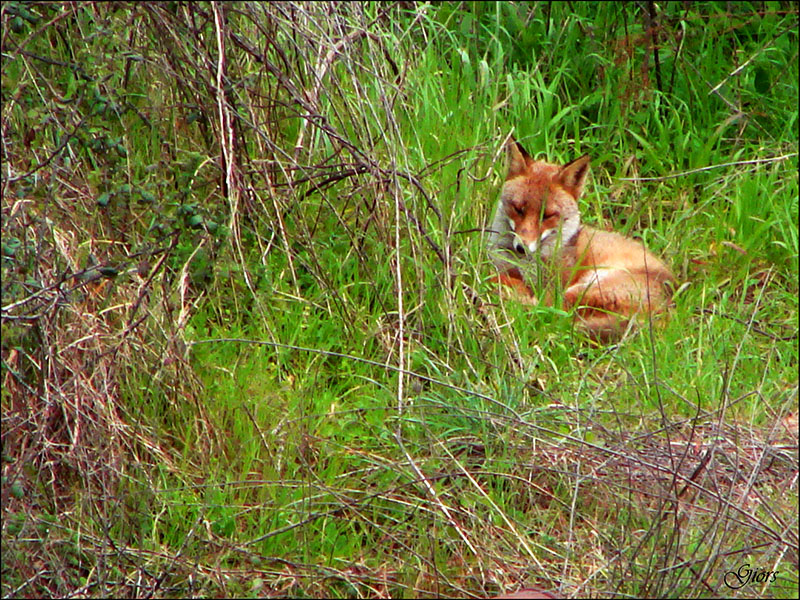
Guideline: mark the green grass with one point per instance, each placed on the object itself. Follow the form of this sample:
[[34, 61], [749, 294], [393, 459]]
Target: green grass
[[293, 376]]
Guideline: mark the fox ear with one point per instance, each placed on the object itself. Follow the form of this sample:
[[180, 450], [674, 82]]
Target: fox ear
[[572, 176], [517, 158]]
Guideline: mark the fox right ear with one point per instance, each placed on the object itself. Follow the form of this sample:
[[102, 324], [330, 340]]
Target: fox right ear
[[517, 158], [573, 175]]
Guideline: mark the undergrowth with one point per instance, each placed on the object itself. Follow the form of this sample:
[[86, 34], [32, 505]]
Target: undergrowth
[[250, 343]]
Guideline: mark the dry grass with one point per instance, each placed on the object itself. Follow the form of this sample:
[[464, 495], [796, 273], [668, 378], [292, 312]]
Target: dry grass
[[313, 178]]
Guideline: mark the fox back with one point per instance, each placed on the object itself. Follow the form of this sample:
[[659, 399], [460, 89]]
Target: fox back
[[537, 234]]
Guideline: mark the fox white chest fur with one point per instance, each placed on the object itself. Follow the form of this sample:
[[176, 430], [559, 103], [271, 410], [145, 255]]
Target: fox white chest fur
[[537, 229]]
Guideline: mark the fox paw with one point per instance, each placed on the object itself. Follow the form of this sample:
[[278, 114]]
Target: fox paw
[[514, 288]]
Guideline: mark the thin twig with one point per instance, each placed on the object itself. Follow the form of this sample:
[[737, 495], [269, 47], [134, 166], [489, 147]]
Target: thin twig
[[756, 161]]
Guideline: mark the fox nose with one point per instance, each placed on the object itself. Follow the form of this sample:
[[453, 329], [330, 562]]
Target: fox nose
[[519, 247]]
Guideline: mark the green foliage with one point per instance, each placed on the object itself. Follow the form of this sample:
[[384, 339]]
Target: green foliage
[[250, 345]]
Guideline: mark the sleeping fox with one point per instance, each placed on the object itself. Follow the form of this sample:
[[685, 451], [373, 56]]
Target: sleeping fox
[[537, 238]]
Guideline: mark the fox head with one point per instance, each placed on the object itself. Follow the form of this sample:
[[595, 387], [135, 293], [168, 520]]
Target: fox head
[[539, 202]]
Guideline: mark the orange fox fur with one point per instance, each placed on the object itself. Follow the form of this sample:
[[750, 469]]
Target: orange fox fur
[[537, 234]]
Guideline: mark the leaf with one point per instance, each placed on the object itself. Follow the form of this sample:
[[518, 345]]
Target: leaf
[[10, 246], [16, 490], [109, 272]]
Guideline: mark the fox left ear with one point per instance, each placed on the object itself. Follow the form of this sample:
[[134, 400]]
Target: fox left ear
[[518, 158], [573, 175]]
